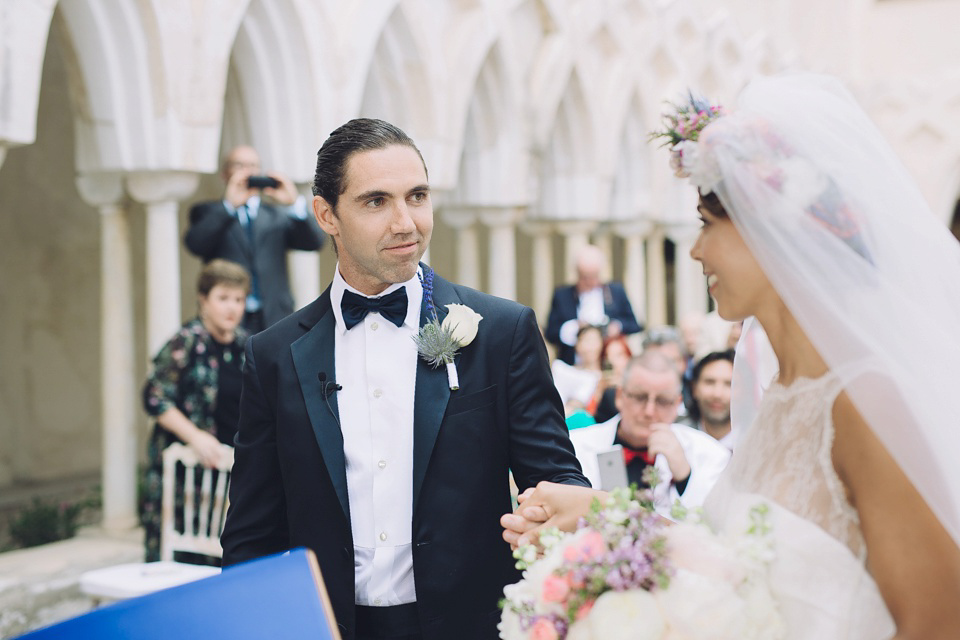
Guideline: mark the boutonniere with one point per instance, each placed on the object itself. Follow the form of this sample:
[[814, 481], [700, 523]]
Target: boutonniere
[[438, 342]]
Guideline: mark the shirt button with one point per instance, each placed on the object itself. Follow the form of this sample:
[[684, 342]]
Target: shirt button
[[383, 536], [377, 393], [382, 464], [374, 325], [376, 602]]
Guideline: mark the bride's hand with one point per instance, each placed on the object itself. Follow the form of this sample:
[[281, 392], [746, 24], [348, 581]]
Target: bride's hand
[[549, 505]]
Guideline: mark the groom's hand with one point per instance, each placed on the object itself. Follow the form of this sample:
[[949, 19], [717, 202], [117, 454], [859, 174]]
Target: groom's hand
[[549, 505]]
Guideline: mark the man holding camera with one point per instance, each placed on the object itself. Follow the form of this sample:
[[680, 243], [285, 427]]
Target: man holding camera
[[248, 230]]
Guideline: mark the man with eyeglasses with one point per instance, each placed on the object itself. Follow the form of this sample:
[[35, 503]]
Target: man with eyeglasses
[[687, 462]]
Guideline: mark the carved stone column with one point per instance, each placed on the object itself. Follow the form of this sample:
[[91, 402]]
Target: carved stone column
[[161, 192], [467, 250], [576, 234], [690, 296], [304, 266], [656, 278], [118, 377], [502, 277], [541, 260], [635, 265], [603, 240]]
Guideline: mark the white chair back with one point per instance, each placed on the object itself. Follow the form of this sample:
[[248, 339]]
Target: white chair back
[[204, 506]]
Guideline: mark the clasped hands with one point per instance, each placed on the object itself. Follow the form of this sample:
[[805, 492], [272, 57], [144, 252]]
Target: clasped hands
[[546, 506]]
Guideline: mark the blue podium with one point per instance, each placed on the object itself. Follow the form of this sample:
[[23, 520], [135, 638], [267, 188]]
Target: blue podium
[[281, 596]]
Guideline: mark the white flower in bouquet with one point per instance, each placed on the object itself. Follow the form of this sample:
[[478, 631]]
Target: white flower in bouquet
[[697, 606], [626, 615], [695, 548], [627, 574]]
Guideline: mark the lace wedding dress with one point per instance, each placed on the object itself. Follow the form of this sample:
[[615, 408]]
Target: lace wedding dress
[[818, 575]]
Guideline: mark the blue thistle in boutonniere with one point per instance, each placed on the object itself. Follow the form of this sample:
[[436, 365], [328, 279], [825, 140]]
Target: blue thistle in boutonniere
[[438, 342]]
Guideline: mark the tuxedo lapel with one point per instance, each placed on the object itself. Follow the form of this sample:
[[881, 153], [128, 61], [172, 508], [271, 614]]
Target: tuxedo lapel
[[313, 354], [431, 394]]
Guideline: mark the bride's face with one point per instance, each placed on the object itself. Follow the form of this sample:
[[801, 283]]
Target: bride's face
[[735, 280]]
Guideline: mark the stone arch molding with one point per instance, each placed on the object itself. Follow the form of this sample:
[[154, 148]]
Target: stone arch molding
[[149, 78], [629, 57]]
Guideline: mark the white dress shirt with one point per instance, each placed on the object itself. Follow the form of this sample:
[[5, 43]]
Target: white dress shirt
[[376, 365], [590, 310], [706, 456]]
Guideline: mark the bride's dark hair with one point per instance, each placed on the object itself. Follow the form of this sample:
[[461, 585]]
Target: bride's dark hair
[[711, 203]]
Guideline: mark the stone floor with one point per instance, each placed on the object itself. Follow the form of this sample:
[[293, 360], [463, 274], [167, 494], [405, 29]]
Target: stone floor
[[40, 586]]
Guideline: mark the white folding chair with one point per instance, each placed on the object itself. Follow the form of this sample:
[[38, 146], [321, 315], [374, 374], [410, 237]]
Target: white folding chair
[[192, 526]]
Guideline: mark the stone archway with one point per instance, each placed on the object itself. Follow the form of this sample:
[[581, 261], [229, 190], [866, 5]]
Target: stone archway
[[49, 381]]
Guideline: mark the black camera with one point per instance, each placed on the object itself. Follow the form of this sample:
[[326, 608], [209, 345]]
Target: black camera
[[261, 182]]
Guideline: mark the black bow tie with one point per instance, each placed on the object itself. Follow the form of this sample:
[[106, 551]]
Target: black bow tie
[[392, 306]]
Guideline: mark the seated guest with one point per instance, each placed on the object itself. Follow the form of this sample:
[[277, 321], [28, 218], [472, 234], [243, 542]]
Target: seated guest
[[687, 462], [668, 341], [614, 358], [710, 410], [577, 383]]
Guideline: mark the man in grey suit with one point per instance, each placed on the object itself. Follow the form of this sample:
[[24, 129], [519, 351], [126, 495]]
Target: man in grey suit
[[256, 234]]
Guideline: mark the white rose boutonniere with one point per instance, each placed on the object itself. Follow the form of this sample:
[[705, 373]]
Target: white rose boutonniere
[[438, 342], [462, 322]]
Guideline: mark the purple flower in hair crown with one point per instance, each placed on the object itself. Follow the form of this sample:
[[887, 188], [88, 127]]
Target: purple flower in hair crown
[[682, 128]]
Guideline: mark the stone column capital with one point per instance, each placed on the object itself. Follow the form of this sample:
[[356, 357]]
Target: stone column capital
[[682, 233], [100, 189], [538, 228], [633, 228], [459, 217], [575, 227], [500, 216], [161, 186]]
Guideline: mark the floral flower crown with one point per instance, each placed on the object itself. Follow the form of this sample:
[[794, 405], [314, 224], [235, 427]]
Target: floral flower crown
[[770, 159], [681, 131]]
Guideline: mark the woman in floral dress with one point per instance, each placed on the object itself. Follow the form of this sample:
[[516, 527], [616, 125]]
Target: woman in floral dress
[[193, 392]]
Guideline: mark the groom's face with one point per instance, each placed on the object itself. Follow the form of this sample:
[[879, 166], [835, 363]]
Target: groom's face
[[383, 219]]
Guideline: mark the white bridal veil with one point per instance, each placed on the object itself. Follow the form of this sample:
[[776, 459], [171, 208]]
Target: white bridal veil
[[856, 254]]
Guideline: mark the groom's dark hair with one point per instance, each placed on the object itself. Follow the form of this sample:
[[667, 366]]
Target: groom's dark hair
[[360, 134]]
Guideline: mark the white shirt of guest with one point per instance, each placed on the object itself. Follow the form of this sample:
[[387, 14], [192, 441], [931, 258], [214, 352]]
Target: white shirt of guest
[[376, 364], [590, 310]]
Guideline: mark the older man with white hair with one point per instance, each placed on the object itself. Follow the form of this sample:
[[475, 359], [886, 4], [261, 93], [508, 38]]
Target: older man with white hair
[[588, 302], [688, 462]]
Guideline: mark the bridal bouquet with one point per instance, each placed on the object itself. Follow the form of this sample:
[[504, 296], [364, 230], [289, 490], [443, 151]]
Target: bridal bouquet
[[628, 574]]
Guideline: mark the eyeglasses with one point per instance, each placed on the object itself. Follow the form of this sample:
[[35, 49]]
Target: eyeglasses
[[643, 398]]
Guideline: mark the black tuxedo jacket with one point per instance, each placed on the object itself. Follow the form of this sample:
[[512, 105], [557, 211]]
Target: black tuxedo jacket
[[289, 485], [564, 305], [214, 233]]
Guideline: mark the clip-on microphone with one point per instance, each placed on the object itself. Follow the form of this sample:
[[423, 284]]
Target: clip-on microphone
[[328, 388]]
